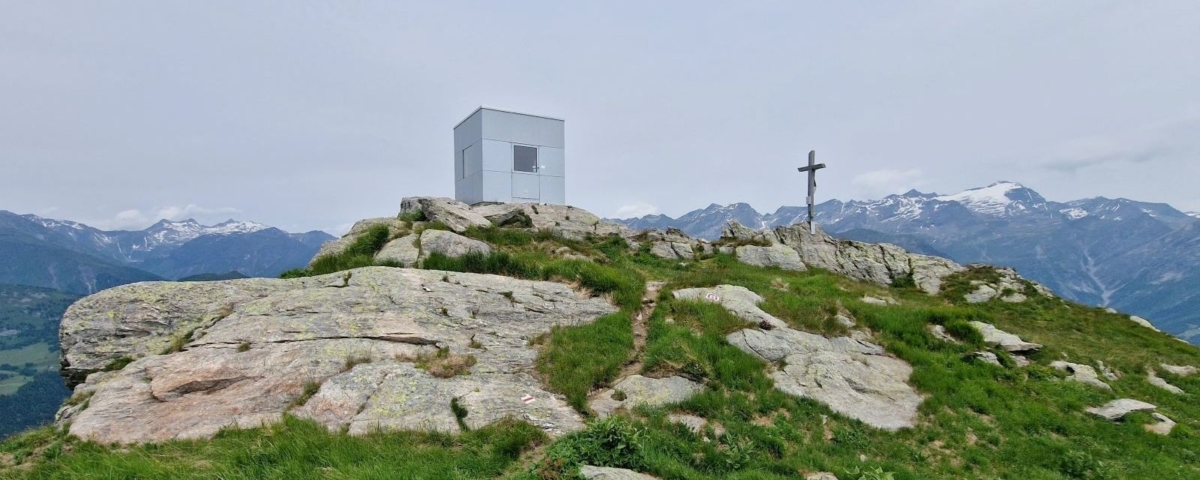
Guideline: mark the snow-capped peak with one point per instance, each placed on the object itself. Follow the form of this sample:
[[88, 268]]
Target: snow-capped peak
[[1193, 214], [991, 200]]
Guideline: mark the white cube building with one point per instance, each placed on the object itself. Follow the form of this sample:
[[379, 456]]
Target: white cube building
[[509, 157]]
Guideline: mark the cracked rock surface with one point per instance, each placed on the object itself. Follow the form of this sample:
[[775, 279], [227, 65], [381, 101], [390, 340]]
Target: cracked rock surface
[[853, 377], [255, 345]]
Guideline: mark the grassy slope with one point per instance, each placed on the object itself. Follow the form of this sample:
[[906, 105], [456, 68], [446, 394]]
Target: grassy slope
[[978, 420]]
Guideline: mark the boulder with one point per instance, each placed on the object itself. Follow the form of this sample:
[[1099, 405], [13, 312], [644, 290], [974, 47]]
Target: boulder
[[672, 250], [772, 256], [1181, 370], [869, 300], [939, 332], [735, 232], [450, 244], [820, 476], [1143, 322], [453, 213], [404, 251], [607, 473], [638, 390], [1153, 378], [359, 344], [1081, 373], [986, 357], [738, 300], [981, 294], [1117, 409], [999, 338], [869, 388], [694, 423], [1161, 426]]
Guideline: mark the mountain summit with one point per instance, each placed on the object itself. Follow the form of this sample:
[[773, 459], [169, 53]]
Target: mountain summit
[[1095, 251]]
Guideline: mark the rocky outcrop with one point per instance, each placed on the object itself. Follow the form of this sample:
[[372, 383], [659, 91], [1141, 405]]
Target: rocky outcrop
[[1153, 379], [405, 251], [1081, 373], [450, 244], [637, 390], [1181, 370], [879, 263], [1117, 409], [335, 247], [1006, 341], [564, 220], [853, 377], [1162, 425], [369, 341], [452, 213], [1008, 288], [772, 256], [1143, 322]]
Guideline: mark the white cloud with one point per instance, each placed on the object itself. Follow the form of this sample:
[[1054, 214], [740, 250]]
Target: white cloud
[[879, 183], [635, 209]]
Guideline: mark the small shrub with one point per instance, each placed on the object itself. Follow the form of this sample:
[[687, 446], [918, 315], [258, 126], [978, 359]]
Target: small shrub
[[353, 361], [904, 281], [310, 389], [611, 442], [244, 347], [359, 254], [413, 216], [442, 363], [460, 413], [118, 363]]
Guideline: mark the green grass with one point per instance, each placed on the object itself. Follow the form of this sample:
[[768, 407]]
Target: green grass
[[359, 254], [582, 358], [40, 355], [294, 449]]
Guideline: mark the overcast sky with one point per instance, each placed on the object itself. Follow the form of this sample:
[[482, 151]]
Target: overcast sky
[[311, 115]]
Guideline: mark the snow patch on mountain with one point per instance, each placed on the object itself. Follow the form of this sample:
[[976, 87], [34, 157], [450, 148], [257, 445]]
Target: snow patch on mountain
[[1074, 213], [990, 200], [1193, 214]]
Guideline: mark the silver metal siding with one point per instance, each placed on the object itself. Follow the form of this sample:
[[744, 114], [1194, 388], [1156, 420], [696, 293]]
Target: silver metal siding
[[524, 129]]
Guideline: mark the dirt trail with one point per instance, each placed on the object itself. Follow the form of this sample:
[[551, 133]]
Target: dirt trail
[[640, 321]]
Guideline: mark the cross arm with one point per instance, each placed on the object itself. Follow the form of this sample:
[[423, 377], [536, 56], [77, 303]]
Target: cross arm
[[811, 167]]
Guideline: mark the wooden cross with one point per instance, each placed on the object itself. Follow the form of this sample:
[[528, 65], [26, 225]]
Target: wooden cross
[[812, 168]]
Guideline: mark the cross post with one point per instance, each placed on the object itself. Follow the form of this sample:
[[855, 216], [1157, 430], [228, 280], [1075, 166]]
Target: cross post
[[812, 168]]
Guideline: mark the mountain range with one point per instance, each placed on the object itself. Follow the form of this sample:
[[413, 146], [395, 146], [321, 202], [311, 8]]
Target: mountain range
[[1137, 257], [74, 257]]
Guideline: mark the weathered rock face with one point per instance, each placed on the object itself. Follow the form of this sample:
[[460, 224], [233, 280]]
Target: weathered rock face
[[261, 341], [878, 263], [999, 338], [638, 390], [453, 213], [450, 244], [772, 256], [1117, 409], [853, 377], [564, 220], [405, 250]]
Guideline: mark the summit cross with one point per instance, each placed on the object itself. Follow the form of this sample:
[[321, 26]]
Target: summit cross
[[812, 168]]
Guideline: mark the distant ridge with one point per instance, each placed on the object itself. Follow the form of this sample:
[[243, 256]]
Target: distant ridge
[[1134, 256]]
